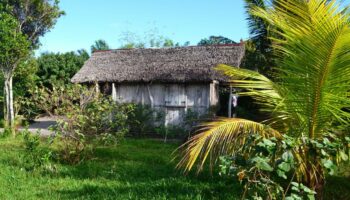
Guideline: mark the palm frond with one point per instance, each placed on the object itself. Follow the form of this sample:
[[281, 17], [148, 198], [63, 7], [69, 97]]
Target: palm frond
[[314, 64], [220, 137], [258, 27], [266, 93]]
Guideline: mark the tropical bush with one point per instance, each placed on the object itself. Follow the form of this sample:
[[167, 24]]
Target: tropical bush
[[84, 118], [59, 68], [145, 120], [94, 119], [35, 157], [308, 103], [59, 99]]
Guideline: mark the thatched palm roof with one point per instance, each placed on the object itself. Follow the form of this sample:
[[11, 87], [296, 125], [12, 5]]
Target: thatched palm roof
[[179, 64]]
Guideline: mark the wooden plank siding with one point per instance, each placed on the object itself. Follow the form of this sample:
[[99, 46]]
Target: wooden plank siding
[[174, 99]]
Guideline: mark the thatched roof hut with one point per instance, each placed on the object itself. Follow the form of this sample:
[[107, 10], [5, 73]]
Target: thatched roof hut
[[171, 65], [172, 80]]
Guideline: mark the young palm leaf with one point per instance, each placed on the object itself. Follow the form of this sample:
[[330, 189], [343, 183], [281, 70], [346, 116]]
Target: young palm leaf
[[310, 93]]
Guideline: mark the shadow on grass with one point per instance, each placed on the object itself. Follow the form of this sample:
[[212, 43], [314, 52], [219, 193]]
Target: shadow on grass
[[139, 169], [156, 189], [135, 169]]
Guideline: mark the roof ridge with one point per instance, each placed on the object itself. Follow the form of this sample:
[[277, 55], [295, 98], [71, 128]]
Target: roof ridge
[[193, 46], [180, 64]]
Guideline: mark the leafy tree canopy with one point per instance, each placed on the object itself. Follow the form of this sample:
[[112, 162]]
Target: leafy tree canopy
[[99, 45], [13, 44], [308, 102], [59, 68], [31, 19], [212, 40], [259, 52], [35, 17]]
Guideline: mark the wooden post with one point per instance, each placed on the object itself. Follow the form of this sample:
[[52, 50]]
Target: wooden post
[[150, 96], [166, 125], [186, 99], [114, 92], [97, 88], [230, 104]]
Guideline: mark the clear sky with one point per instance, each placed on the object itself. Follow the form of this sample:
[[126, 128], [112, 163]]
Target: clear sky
[[180, 20]]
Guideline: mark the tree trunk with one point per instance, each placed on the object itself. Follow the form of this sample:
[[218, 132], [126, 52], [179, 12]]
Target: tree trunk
[[319, 184], [9, 114], [315, 179], [319, 188]]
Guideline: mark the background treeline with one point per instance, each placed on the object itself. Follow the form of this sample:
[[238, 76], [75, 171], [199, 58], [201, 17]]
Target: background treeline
[[50, 69]]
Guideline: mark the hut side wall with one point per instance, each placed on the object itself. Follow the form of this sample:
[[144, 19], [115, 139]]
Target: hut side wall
[[174, 99]]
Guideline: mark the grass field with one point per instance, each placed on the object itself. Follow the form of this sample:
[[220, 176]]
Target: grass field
[[136, 169]]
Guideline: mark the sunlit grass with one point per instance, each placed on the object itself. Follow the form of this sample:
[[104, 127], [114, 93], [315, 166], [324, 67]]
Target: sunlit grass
[[136, 169]]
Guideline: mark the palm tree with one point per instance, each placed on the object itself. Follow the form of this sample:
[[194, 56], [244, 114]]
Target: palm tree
[[258, 47], [309, 96], [99, 45], [258, 27]]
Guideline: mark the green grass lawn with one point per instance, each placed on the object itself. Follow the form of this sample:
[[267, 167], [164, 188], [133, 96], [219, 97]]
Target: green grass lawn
[[136, 169]]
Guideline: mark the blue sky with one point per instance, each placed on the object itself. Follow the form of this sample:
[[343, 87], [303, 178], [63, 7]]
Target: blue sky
[[180, 20]]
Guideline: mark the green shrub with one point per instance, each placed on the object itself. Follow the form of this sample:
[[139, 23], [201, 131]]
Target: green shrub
[[91, 118], [170, 131], [59, 99], [6, 132], [145, 120], [35, 157], [26, 107], [268, 167]]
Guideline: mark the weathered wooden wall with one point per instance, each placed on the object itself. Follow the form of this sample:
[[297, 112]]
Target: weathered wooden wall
[[174, 99]]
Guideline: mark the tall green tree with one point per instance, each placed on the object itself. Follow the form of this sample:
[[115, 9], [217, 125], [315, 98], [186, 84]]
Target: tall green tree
[[59, 68], [33, 18], [259, 51], [99, 45], [14, 47], [308, 99], [215, 40]]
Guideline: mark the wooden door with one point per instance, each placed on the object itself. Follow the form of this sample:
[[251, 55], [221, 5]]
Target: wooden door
[[175, 104]]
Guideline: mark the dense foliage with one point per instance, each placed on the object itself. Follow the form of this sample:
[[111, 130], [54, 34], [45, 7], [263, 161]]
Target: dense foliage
[[259, 52], [85, 119], [99, 45], [35, 17], [266, 165], [13, 43], [308, 101], [21, 24], [215, 40], [59, 68]]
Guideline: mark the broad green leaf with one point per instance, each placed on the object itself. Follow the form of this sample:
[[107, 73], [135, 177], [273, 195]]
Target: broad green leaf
[[284, 166], [343, 156], [281, 174], [288, 156]]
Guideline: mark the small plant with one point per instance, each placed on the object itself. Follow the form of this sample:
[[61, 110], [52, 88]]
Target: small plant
[[27, 107], [91, 119], [7, 132], [35, 157], [145, 120], [268, 168], [172, 131]]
